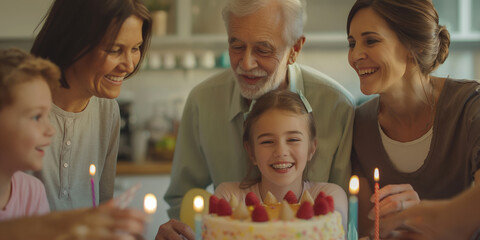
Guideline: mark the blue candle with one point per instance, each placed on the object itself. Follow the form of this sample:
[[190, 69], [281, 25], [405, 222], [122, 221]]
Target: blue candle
[[198, 208], [353, 209], [198, 226]]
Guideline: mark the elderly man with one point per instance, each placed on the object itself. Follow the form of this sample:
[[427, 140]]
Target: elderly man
[[265, 38]]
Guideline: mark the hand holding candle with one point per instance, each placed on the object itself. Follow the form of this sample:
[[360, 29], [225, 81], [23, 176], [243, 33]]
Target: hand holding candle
[[198, 208], [376, 176], [353, 208], [92, 182]]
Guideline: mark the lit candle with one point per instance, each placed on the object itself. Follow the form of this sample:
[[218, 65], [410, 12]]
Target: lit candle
[[150, 207], [92, 182], [376, 176], [198, 208], [150, 204], [353, 208]]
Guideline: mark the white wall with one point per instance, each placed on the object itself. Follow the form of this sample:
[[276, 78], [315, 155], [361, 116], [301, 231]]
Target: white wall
[[18, 18]]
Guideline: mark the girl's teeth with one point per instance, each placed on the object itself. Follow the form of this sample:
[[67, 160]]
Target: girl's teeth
[[282, 165]]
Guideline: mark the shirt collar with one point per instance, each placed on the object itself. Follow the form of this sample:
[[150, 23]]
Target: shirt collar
[[295, 78]]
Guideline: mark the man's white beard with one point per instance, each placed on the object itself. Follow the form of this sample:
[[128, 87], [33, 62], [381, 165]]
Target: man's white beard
[[261, 87]]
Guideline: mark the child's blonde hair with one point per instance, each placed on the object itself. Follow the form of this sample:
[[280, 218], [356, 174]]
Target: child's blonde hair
[[17, 66], [277, 99]]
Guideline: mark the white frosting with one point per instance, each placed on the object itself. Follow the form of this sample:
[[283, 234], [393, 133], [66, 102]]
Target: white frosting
[[323, 227]]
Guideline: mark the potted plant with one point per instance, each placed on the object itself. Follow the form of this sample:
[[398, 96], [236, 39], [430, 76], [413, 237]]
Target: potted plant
[[159, 11]]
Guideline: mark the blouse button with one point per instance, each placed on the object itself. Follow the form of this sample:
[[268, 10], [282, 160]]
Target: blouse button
[[69, 143], [65, 165]]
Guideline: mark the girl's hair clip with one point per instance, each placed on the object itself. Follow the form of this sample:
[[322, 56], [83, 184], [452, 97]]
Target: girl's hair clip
[[245, 115], [305, 101]]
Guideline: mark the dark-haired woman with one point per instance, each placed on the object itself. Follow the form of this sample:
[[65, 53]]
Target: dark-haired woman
[[97, 44], [422, 131]]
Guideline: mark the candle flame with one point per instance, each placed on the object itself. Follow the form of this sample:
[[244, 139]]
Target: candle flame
[[376, 175], [92, 170], [150, 203], [198, 204], [354, 185]]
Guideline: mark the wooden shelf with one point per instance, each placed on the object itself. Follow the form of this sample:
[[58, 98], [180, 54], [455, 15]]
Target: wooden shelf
[[144, 168]]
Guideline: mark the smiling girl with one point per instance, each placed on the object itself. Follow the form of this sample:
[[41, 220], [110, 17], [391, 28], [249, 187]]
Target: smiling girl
[[97, 44], [279, 137]]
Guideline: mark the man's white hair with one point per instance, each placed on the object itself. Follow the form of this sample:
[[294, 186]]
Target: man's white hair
[[293, 11]]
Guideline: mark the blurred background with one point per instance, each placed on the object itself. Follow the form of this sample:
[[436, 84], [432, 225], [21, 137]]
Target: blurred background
[[190, 44]]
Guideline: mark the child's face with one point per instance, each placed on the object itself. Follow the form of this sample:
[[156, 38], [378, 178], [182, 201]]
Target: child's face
[[281, 146], [25, 130]]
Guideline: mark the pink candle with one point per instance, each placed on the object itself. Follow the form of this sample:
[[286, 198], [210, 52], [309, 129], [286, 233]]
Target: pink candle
[[377, 205], [92, 173]]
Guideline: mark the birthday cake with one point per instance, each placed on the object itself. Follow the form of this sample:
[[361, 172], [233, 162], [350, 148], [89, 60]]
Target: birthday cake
[[273, 220]]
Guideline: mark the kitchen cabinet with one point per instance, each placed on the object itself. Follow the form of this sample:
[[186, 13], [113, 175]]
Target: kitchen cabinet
[[198, 27], [199, 24], [475, 16]]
